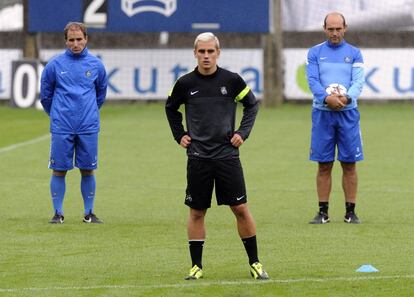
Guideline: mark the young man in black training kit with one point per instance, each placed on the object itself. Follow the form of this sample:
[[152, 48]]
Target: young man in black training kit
[[210, 95]]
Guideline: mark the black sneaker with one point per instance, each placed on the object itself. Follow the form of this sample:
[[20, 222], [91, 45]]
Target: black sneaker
[[92, 218], [351, 218], [320, 218], [57, 219]]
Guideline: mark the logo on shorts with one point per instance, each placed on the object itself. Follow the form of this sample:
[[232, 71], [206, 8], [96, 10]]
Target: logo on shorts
[[88, 73], [223, 90], [240, 198], [188, 198], [358, 153]]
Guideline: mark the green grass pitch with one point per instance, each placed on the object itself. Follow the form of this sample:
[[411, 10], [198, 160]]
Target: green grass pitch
[[141, 249]]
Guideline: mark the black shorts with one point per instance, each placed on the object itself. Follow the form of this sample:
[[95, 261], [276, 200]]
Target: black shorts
[[225, 175]]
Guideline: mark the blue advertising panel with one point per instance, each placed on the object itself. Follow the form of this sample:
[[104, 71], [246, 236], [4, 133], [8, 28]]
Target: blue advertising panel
[[151, 15]]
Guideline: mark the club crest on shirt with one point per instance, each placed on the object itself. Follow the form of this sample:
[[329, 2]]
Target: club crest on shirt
[[223, 90], [347, 59], [88, 73]]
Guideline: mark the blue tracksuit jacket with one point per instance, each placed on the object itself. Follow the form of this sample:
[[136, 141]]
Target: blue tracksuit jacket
[[73, 88], [328, 64]]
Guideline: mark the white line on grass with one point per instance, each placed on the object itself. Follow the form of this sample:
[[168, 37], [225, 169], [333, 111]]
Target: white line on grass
[[203, 283], [17, 145]]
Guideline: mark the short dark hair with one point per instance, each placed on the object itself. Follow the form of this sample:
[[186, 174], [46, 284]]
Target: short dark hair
[[75, 26], [333, 13]]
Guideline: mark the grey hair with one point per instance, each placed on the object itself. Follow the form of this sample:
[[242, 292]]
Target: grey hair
[[206, 37]]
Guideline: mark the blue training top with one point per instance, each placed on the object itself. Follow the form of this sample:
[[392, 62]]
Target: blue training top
[[73, 88], [334, 64]]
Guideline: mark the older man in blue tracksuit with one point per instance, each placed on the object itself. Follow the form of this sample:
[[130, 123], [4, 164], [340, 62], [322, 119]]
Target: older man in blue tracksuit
[[335, 76], [73, 88]]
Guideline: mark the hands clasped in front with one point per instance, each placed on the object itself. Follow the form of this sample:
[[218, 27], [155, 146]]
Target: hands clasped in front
[[336, 101], [236, 140]]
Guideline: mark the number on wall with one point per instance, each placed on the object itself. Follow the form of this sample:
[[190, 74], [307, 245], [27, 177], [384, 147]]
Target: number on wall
[[95, 13]]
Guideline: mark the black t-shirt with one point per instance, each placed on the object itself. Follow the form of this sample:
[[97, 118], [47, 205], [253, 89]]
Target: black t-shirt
[[210, 110]]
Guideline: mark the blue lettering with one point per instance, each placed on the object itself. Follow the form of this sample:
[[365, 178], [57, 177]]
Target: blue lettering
[[177, 71], [152, 88], [110, 85], [367, 80], [1, 83], [397, 79], [252, 78]]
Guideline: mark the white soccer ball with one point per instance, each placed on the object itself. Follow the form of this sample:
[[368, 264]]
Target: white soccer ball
[[336, 89]]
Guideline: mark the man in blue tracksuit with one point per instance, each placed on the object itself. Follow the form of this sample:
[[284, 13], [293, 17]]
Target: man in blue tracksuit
[[335, 75], [73, 88]]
